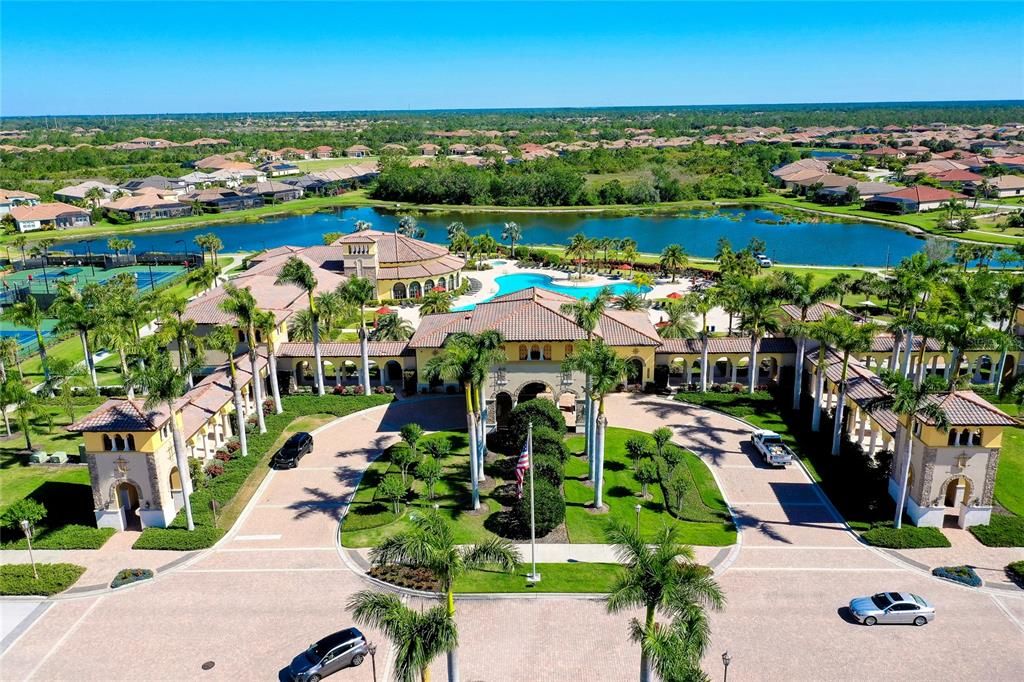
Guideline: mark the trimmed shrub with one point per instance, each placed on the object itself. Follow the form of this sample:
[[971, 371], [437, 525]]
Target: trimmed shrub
[[958, 574], [1002, 530], [550, 469], [541, 412], [127, 576], [24, 509], [71, 536], [213, 469], [547, 442], [549, 509], [18, 579], [178, 539], [1015, 571], [907, 537]]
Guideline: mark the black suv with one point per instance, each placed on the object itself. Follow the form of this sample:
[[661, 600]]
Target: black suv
[[292, 451]]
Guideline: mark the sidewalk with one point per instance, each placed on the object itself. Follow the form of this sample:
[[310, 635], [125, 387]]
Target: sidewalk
[[989, 562]]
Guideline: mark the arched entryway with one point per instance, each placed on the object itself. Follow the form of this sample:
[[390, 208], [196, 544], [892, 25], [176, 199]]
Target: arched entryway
[[174, 481], [394, 370], [399, 291], [534, 389], [634, 372], [128, 502], [502, 408], [415, 290]]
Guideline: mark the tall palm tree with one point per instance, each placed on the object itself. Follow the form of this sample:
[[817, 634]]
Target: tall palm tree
[[27, 406], [164, 384], [850, 338], [579, 248], [629, 252], [759, 302], [223, 339], [586, 313], [430, 543], [94, 196], [9, 354], [801, 292], [184, 332], [391, 327], [78, 311], [512, 233], [266, 325], [679, 325], [407, 226], [27, 313], [359, 292], [488, 348], [605, 369], [701, 303], [673, 259], [823, 332], [117, 333], [363, 225], [418, 637], [241, 304], [298, 273], [331, 308], [202, 278], [19, 241], [909, 402], [661, 576], [631, 300]]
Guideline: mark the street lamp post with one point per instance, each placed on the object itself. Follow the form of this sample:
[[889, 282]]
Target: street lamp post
[[372, 650], [88, 251], [26, 528], [638, 507], [184, 245], [726, 660]]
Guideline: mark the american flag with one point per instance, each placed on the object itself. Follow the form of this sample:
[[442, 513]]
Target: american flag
[[522, 466]]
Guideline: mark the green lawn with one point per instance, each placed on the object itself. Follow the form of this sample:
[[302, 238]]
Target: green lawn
[[570, 577], [1010, 474], [371, 519]]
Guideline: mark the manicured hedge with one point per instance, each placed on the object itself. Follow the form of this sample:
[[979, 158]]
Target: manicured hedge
[[547, 442], [549, 510], [64, 537], [1016, 572], [959, 574], [906, 537], [550, 469], [224, 487], [128, 576], [1002, 530], [540, 412], [17, 579]]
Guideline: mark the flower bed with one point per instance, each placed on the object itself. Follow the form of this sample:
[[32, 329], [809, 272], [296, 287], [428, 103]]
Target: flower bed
[[958, 574], [127, 576], [406, 576]]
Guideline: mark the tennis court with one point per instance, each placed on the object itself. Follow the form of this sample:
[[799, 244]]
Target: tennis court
[[40, 280]]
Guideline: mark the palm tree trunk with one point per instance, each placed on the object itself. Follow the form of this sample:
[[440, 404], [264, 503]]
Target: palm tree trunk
[[919, 376], [954, 364], [894, 359], [1000, 370], [602, 423], [7, 420], [316, 356], [257, 390], [89, 364], [471, 426], [704, 362], [124, 373], [236, 397], [798, 384], [182, 461], [183, 360], [752, 370], [42, 355], [818, 397], [453, 653], [837, 427], [481, 443], [908, 351], [274, 387], [645, 659], [588, 435], [364, 355], [904, 475]]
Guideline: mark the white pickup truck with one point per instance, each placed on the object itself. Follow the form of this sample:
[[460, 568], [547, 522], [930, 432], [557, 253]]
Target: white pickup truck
[[771, 447]]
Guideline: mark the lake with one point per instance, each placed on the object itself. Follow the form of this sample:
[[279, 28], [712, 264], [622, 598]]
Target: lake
[[806, 243]]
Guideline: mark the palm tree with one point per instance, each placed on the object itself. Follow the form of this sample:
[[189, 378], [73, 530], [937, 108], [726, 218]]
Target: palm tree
[[298, 273], [512, 233], [78, 311], [586, 313], [391, 327], [759, 301], [430, 543], [359, 292], [909, 402], [94, 196], [702, 302], [9, 354], [643, 281], [266, 325], [462, 243], [673, 259], [300, 326], [223, 339], [488, 349], [679, 324], [579, 248], [823, 332], [11, 392], [117, 332], [605, 369], [631, 300], [629, 252], [850, 338], [164, 384], [19, 242], [27, 313], [363, 225], [210, 242], [801, 292], [660, 576], [183, 331], [241, 304], [202, 278], [331, 308], [407, 226], [435, 302], [27, 406], [418, 637]]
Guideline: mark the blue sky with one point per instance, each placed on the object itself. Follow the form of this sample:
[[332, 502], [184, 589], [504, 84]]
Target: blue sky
[[149, 57]]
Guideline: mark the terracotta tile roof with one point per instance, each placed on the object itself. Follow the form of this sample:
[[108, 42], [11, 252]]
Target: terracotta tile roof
[[9, 194], [48, 211], [922, 194], [815, 312], [882, 343], [1007, 182], [534, 315], [121, 414], [396, 249], [146, 200], [375, 349], [728, 344], [957, 175], [967, 408]]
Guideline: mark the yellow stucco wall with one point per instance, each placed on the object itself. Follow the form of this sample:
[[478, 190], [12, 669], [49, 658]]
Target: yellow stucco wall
[[991, 436], [145, 441]]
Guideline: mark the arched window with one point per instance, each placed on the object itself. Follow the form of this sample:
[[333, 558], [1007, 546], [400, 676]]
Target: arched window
[[451, 281], [917, 428], [428, 285], [398, 291], [952, 437], [523, 353], [107, 444], [175, 480], [547, 351], [442, 285], [568, 349], [131, 441], [415, 290], [118, 442], [976, 438], [535, 352]]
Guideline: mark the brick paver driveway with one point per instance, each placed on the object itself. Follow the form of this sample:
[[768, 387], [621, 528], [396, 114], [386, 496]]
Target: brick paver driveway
[[277, 583]]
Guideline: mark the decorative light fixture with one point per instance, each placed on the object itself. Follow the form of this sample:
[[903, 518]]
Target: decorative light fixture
[[961, 461], [122, 466]]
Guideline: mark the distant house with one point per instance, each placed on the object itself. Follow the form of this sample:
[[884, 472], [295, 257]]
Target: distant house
[[322, 152], [1011, 162], [294, 153], [459, 149], [912, 199], [887, 152], [952, 177], [273, 192], [1002, 186], [51, 216], [148, 207], [358, 151], [279, 168], [161, 182], [823, 180], [429, 149], [217, 200], [222, 162], [865, 190], [394, 148], [77, 192], [9, 198]]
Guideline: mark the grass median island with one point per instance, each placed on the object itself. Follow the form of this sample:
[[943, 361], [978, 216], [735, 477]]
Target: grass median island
[[569, 578], [18, 579], [242, 475]]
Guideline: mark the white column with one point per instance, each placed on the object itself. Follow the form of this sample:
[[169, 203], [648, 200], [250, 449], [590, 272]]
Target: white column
[[337, 374], [873, 443], [733, 372]]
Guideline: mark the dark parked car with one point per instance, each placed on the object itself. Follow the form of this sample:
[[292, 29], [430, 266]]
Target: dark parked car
[[345, 649], [293, 450]]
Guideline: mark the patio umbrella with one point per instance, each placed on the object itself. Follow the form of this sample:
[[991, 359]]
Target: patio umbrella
[[384, 310], [625, 266], [675, 295]]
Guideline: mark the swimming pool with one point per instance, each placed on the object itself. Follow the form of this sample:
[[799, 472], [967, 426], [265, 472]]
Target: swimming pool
[[508, 284]]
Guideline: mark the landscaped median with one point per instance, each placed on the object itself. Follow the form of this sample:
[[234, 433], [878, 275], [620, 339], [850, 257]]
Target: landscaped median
[[242, 475], [18, 579]]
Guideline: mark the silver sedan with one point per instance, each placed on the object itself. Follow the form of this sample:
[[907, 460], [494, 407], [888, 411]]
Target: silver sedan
[[892, 607]]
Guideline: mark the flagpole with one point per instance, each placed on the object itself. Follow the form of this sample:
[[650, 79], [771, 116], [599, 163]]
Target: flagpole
[[534, 577]]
